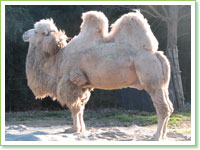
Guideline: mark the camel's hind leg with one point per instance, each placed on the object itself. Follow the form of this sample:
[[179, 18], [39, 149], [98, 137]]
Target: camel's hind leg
[[171, 109], [162, 109], [152, 71]]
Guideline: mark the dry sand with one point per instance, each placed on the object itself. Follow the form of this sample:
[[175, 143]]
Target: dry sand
[[49, 130]]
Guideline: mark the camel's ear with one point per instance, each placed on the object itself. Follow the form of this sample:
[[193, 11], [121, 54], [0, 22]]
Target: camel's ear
[[62, 43]]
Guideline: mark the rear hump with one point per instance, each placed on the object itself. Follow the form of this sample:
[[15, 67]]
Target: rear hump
[[134, 29]]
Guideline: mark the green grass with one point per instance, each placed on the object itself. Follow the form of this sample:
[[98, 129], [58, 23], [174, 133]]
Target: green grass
[[139, 118], [175, 118], [35, 115], [125, 118], [142, 119], [106, 115]]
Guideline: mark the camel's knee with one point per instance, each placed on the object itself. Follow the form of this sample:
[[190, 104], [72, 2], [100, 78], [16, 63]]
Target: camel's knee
[[78, 104], [171, 107], [161, 103], [67, 92], [163, 111], [168, 101]]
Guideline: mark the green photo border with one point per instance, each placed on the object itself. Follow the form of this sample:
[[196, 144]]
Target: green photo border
[[196, 146]]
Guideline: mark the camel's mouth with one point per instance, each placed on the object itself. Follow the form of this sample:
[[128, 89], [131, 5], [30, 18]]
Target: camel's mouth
[[25, 38]]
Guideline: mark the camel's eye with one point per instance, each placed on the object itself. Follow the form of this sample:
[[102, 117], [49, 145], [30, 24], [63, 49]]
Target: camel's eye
[[46, 33]]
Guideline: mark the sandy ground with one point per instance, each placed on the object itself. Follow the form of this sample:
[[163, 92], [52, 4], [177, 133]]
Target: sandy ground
[[59, 129], [62, 133]]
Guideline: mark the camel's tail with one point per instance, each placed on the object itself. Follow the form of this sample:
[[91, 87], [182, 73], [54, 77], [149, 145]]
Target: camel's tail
[[165, 67]]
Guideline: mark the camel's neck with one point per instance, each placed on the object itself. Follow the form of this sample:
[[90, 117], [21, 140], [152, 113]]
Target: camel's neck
[[42, 72]]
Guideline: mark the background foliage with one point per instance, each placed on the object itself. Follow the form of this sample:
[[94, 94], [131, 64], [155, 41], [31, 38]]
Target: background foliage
[[21, 18]]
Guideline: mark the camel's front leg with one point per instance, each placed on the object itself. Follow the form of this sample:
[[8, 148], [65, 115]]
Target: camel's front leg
[[82, 124], [76, 122], [78, 111], [75, 98], [84, 99]]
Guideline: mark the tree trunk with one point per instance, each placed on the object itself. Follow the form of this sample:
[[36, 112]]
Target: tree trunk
[[176, 88]]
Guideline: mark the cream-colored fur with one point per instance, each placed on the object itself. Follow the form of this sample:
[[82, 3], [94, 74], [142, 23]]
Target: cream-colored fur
[[102, 60], [133, 28], [45, 41]]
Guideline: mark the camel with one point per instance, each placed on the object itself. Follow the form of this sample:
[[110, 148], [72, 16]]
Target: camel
[[127, 56]]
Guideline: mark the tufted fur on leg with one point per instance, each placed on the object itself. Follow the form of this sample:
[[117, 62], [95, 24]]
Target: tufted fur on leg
[[75, 98]]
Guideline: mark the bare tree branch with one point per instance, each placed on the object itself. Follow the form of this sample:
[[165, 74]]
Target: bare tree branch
[[147, 12], [127, 7], [157, 27], [181, 6], [165, 11], [184, 16], [184, 34], [157, 13]]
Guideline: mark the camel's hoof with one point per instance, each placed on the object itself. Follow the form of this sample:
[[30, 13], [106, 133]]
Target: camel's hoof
[[164, 137], [83, 130], [156, 138], [72, 130], [76, 130], [69, 130]]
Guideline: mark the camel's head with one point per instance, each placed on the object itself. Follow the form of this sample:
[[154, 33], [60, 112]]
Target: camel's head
[[46, 37]]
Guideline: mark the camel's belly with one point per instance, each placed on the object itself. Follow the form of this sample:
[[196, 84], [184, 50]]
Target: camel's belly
[[111, 74], [112, 81]]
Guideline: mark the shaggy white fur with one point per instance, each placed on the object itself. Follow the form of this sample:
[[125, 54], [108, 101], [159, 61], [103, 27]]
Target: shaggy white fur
[[45, 26]]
